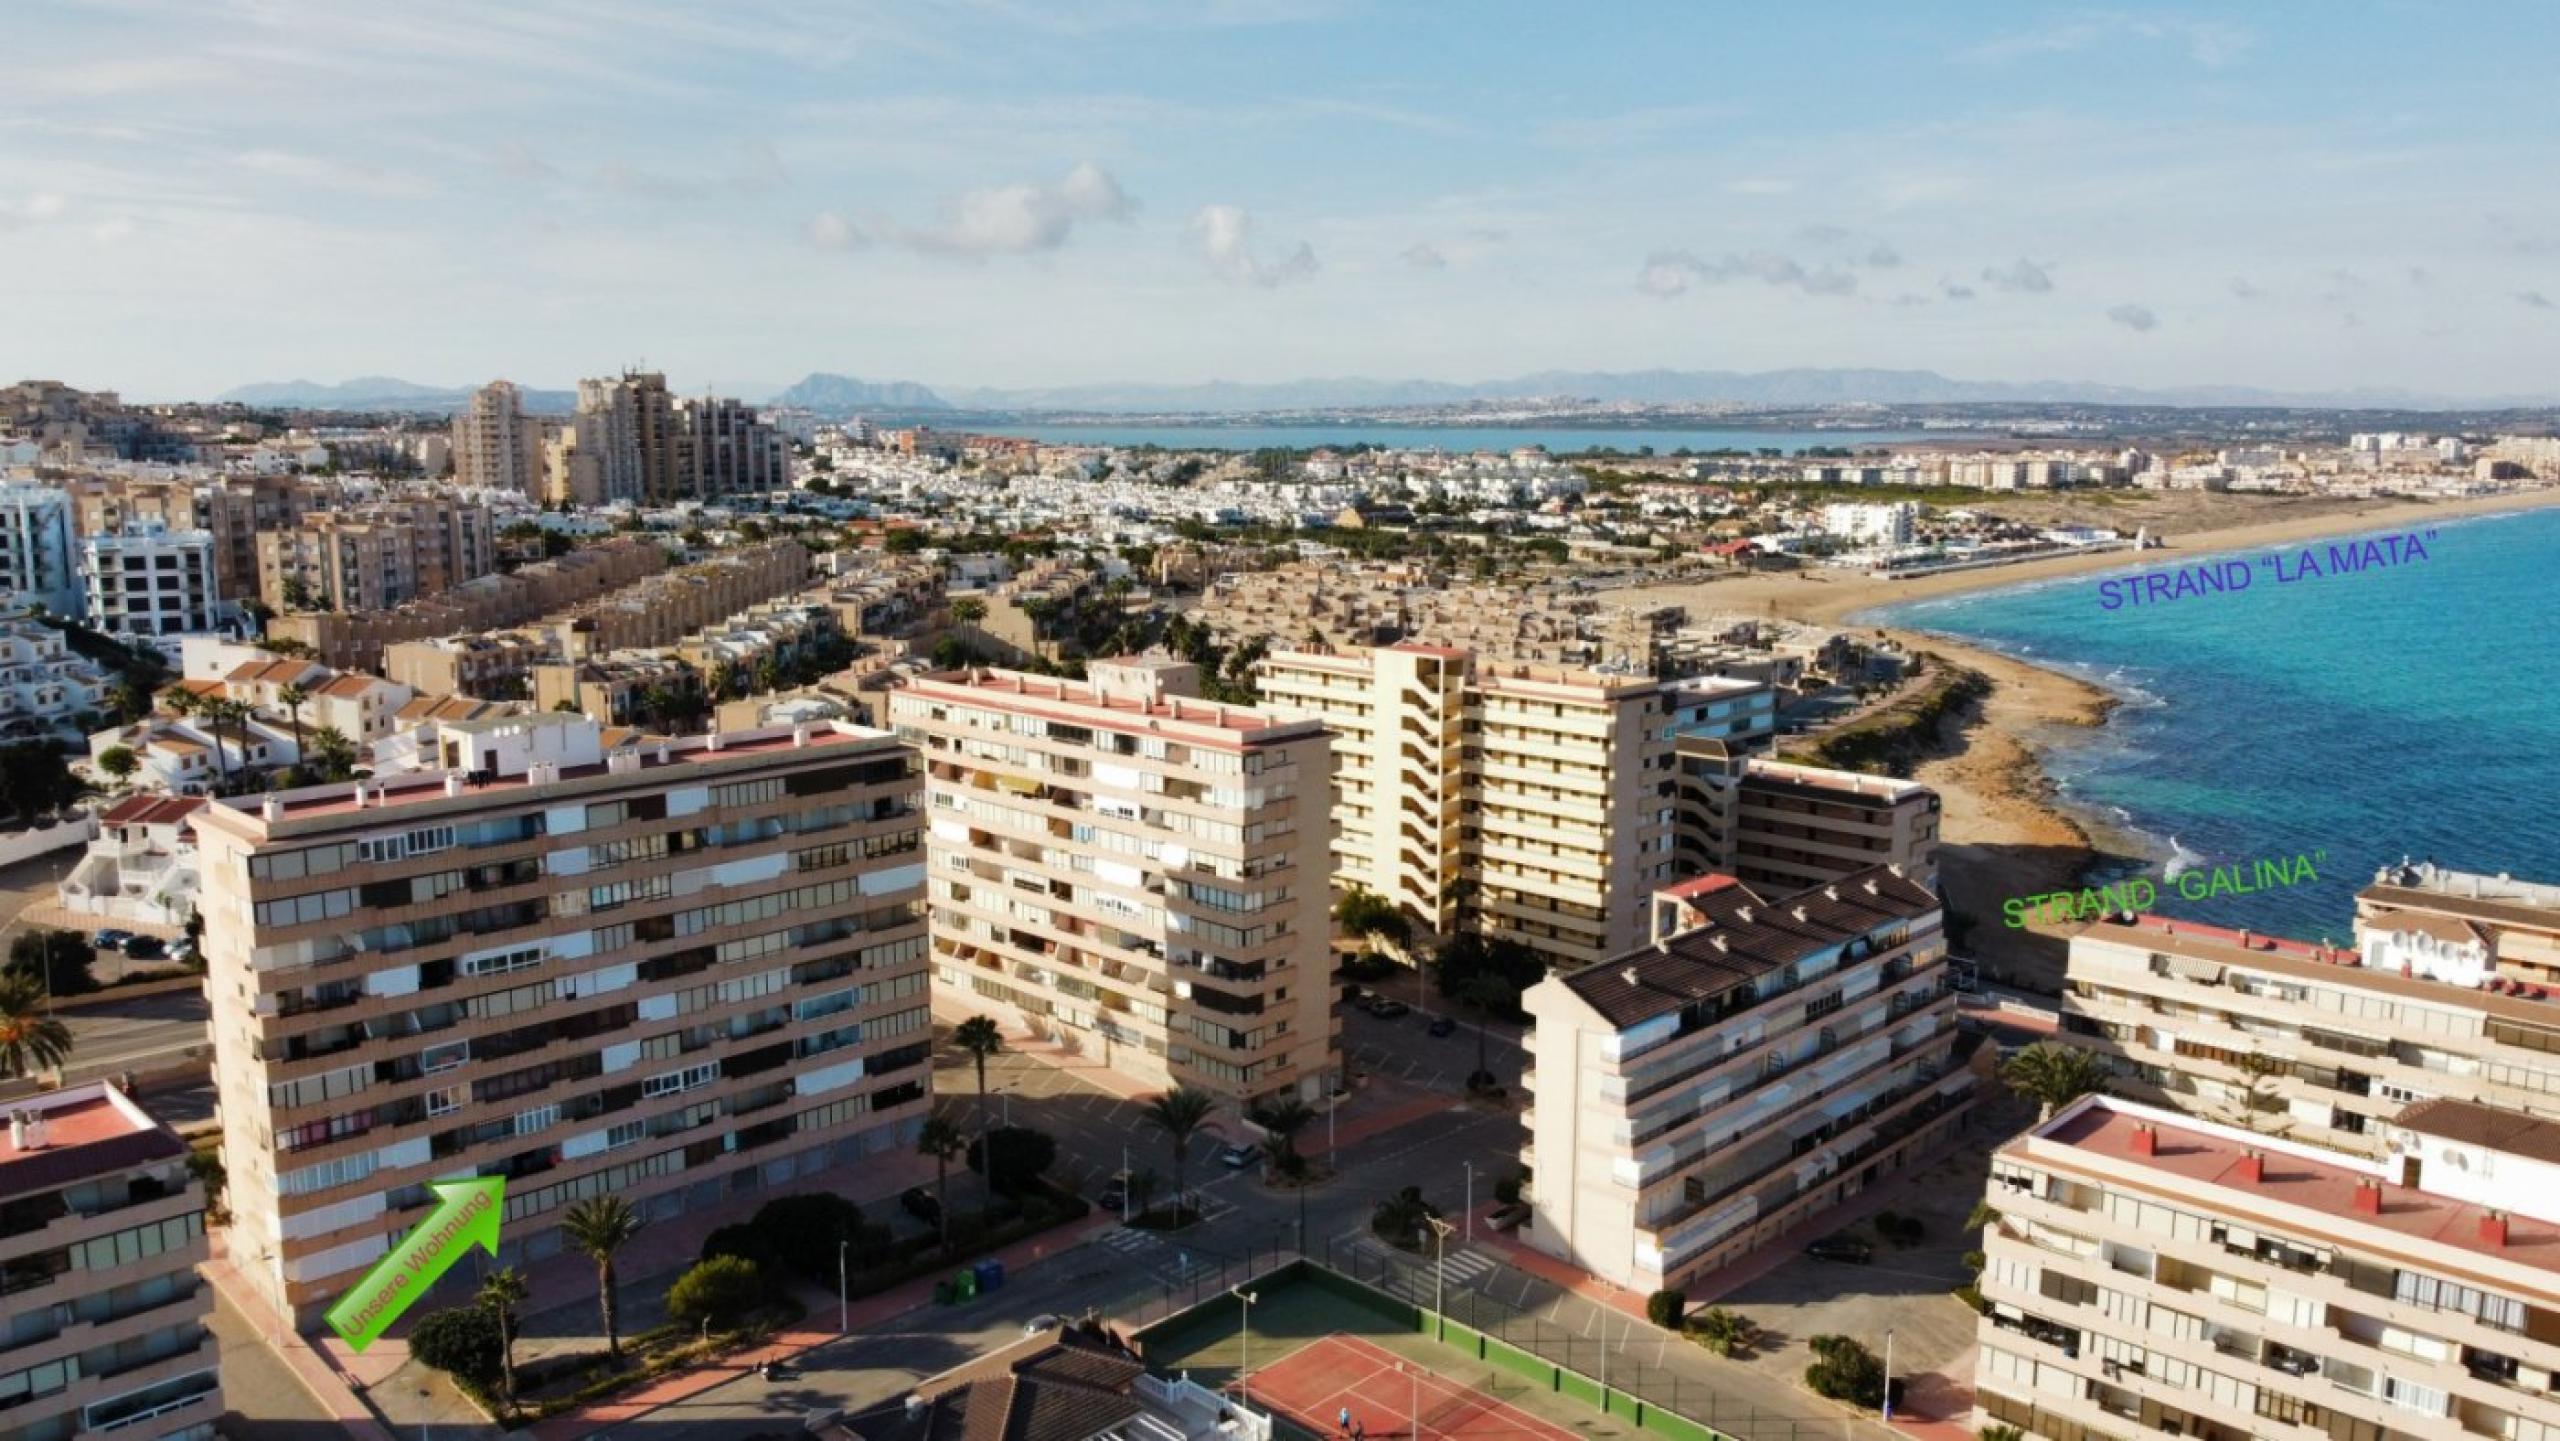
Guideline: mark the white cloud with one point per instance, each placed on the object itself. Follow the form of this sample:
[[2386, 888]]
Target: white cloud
[[2133, 316], [1224, 233], [1670, 272], [1426, 256], [322, 173], [2022, 275], [2210, 43], [2535, 299], [2241, 289], [830, 231], [113, 229], [1020, 219], [39, 207]]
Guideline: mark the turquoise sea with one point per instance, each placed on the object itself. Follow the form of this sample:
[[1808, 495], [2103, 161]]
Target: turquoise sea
[[1560, 440], [2413, 710]]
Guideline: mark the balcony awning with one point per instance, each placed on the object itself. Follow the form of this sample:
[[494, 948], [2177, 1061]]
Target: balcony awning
[[2188, 968]]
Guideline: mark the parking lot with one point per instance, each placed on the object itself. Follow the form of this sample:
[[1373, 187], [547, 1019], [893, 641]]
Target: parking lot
[[1094, 1127], [1405, 1049]]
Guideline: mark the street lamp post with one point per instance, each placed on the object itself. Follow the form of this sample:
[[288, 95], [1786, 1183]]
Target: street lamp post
[[844, 1315], [1469, 1214], [1244, 1344], [1888, 1377], [1439, 1273], [1127, 1177]]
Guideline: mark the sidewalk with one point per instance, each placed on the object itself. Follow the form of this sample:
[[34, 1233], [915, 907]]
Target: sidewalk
[[313, 1368], [870, 1311]]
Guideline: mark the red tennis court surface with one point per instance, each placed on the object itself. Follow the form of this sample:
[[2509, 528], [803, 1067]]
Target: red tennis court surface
[[1384, 1392]]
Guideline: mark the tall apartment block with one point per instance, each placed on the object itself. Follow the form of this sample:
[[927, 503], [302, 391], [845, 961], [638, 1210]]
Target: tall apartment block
[[676, 974], [146, 581], [2151, 1273], [101, 1231], [495, 444], [38, 563], [1774, 823], [2320, 1044], [621, 443], [1528, 802], [725, 448], [1694, 1099], [1140, 871]]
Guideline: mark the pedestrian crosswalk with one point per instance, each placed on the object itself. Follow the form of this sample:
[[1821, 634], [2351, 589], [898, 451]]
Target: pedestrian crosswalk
[[1168, 1260], [1462, 1265]]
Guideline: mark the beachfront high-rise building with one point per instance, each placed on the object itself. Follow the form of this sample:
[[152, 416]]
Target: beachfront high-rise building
[[676, 973], [1527, 802], [2316, 1043], [1692, 1100], [2149, 1273], [1775, 823], [495, 444], [146, 581], [1135, 869], [101, 1232]]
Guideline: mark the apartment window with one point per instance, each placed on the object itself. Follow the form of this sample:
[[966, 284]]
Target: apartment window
[[687, 1079], [2501, 1312]]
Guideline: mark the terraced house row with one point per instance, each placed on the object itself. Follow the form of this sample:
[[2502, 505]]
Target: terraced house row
[[676, 973]]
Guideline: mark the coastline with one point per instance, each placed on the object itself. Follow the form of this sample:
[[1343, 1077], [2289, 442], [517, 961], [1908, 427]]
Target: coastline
[[2004, 831]]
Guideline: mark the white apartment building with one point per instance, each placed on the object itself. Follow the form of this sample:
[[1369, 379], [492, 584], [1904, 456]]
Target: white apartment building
[[146, 581], [679, 973], [1694, 1099], [38, 562], [44, 687], [2151, 1273], [1528, 802], [140, 866], [1871, 524], [2318, 1044], [1136, 871], [1782, 825]]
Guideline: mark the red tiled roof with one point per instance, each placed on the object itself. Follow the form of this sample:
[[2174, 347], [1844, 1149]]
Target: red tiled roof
[[151, 810]]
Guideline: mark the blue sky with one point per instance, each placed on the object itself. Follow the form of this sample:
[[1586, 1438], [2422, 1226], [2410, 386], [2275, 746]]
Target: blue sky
[[1023, 192]]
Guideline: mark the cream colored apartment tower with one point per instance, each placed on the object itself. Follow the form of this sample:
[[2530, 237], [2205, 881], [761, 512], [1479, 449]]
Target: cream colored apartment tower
[[678, 974], [2152, 1274], [1530, 802], [1135, 871]]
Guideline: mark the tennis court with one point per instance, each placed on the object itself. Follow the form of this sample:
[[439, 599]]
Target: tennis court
[[1388, 1398]]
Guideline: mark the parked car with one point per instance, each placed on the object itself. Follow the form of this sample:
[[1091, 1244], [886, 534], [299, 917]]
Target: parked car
[[921, 1204], [146, 948], [1115, 1193], [1239, 1155], [110, 939], [1387, 1010], [1443, 1025], [1841, 1248], [1042, 1324]]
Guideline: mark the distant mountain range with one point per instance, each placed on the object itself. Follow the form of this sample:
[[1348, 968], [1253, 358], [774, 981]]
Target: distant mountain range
[[837, 396]]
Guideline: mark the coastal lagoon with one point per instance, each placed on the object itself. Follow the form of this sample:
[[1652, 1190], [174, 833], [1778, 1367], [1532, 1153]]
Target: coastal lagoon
[[1560, 440], [2413, 709]]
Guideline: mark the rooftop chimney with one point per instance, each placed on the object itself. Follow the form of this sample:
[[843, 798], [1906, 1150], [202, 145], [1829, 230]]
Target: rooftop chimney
[[2369, 1196], [2146, 1141], [19, 1132], [2244, 938], [453, 783], [711, 742], [271, 808], [800, 736], [2253, 1169], [359, 795], [2493, 1228]]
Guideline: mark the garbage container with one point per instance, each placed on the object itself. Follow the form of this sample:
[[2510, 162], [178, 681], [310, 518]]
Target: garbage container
[[990, 1275], [964, 1285], [942, 1293]]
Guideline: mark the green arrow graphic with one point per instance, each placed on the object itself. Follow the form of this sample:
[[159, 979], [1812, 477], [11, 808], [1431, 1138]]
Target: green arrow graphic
[[466, 1216]]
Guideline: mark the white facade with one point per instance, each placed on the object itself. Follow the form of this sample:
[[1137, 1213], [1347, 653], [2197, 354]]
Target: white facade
[[144, 581], [36, 556]]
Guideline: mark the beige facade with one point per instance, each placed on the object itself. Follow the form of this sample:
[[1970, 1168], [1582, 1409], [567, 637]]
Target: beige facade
[[495, 444], [1528, 802], [2314, 1043], [1775, 823], [2517, 922], [377, 556], [2150, 1273], [660, 610], [356, 640], [494, 665], [101, 1232], [676, 973], [1693, 1100], [1140, 873]]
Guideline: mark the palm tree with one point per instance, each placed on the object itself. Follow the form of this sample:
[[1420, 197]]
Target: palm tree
[[31, 1040], [1142, 1188], [2054, 1075], [1398, 1220], [978, 1038], [596, 1228], [968, 610], [291, 698], [2259, 1072], [501, 1292], [941, 1140], [1284, 1119], [1179, 1114]]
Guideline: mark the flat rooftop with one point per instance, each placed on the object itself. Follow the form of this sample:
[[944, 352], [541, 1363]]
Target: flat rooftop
[[1083, 703], [2501, 996], [2188, 1157], [86, 1131]]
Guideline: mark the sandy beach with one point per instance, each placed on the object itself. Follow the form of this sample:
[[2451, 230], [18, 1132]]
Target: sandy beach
[[2003, 832]]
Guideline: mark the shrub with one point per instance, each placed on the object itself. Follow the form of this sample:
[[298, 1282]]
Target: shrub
[[1663, 1308], [462, 1342], [1507, 1190], [60, 961], [1726, 1332], [719, 1292], [1844, 1370], [745, 1241], [1019, 1155]]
